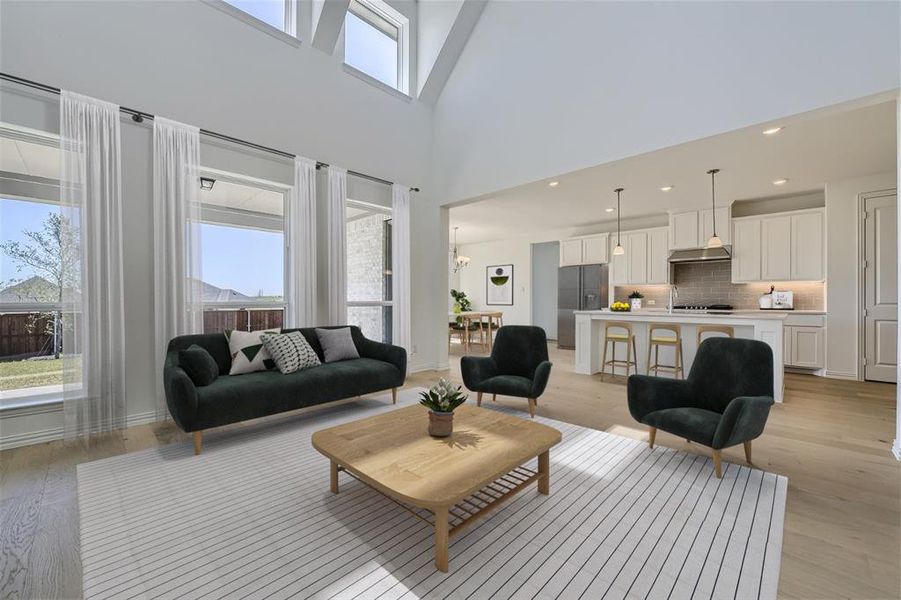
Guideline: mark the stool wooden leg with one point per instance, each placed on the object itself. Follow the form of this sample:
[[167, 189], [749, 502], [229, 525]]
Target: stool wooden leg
[[604, 359], [634, 356], [656, 360], [650, 343]]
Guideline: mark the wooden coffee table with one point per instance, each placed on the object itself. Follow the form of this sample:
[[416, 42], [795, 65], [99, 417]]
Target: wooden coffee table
[[448, 482]]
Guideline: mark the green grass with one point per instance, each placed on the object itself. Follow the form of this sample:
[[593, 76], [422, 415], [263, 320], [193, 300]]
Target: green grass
[[31, 373]]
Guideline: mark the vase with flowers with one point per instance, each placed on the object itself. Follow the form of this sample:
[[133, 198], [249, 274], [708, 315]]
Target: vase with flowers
[[441, 400]]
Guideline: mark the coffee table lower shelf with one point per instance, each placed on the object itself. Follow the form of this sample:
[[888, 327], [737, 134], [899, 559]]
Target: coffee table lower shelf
[[452, 520]]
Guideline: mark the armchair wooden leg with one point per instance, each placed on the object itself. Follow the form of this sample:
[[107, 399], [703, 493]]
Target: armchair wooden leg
[[532, 407], [748, 452], [394, 395], [198, 442], [494, 397], [478, 398], [652, 435], [718, 463]]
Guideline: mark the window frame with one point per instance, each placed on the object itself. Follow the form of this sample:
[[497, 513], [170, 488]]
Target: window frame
[[288, 34], [387, 211], [253, 221], [380, 9]]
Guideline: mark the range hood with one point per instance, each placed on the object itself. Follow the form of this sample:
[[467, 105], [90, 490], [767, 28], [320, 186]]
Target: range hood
[[696, 255]]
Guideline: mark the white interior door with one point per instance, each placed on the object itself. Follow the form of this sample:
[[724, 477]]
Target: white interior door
[[881, 287]]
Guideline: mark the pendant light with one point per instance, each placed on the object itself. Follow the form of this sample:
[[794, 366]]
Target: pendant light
[[618, 250], [714, 241], [460, 261]]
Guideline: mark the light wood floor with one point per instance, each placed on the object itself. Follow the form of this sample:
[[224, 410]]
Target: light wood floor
[[831, 438]]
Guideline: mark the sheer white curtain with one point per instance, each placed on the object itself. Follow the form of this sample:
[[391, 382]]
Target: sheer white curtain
[[300, 235], [90, 233], [400, 266], [177, 290], [337, 246]]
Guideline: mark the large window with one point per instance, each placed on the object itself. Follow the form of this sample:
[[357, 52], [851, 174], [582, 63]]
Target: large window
[[32, 264], [369, 269], [376, 42], [277, 13], [242, 255]]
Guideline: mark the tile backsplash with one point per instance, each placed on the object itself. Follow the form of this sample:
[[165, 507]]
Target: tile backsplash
[[711, 283]]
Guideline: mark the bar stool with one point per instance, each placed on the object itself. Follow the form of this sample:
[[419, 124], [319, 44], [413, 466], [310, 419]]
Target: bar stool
[[655, 341], [613, 337], [724, 329]]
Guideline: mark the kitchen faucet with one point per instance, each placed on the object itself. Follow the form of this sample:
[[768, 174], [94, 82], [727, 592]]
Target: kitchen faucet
[[673, 294]]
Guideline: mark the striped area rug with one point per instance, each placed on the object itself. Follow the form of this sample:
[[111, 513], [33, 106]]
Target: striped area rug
[[252, 517]]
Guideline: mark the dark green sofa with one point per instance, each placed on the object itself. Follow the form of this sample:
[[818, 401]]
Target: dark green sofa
[[724, 402], [234, 398]]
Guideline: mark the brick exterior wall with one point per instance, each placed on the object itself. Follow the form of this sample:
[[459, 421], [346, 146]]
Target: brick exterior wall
[[711, 283], [365, 276]]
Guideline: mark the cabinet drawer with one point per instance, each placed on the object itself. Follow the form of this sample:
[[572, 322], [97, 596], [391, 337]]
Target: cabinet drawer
[[805, 320]]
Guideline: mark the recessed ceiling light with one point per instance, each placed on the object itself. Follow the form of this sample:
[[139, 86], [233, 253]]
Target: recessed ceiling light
[[780, 181], [666, 188], [207, 183], [773, 130], [554, 183], [611, 209]]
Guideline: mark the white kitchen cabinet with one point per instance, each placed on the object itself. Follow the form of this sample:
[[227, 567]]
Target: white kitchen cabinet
[[775, 234], [684, 230], [636, 244], [658, 255], [589, 250], [570, 253], [808, 253], [746, 250], [806, 347], [594, 249], [723, 225]]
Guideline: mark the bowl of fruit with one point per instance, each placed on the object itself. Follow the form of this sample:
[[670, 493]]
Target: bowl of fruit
[[620, 307]]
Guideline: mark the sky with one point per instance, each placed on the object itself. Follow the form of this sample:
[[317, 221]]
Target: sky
[[245, 260]]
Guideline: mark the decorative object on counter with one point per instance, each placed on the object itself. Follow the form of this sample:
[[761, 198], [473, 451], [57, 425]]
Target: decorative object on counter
[[620, 307], [724, 402], [461, 303], [441, 401], [714, 241], [765, 302], [499, 285], [783, 300], [459, 261], [635, 299], [518, 366], [618, 250]]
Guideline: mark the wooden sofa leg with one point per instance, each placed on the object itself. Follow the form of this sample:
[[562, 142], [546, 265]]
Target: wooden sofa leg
[[717, 463], [478, 398], [652, 435], [532, 407], [748, 452], [494, 397], [393, 395], [198, 442]]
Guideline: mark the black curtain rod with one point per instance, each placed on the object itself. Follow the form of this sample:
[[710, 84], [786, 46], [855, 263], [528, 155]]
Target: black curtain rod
[[139, 116]]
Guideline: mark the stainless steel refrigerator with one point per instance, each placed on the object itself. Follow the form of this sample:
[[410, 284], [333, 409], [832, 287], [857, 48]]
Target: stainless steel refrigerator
[[578, 288]]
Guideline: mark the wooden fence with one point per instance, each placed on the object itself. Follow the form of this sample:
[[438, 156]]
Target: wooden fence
[[217, 321], [23, 335]]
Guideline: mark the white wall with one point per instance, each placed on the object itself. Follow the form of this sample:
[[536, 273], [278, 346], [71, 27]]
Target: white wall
[[544, 88], [545, 266], [842, 270], [517, 252]]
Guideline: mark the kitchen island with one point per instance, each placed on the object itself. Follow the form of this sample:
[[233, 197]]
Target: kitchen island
[[590, 324]]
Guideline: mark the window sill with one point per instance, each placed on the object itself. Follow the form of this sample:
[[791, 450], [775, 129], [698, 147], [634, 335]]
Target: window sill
[[254, 22], [32, 404], [375, 82]]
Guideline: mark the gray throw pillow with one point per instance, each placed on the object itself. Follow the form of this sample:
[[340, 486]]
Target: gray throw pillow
[[290, 351], [337, 344]]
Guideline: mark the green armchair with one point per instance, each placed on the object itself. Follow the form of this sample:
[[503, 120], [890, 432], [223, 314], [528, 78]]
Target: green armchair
[[518, 366], [724, 402]]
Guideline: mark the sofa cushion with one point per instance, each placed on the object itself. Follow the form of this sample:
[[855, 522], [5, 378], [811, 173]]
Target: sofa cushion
[[290, 351], [337, 344], [695, 424], [200, 366], [507, 385], [238, 398], [247, 351]]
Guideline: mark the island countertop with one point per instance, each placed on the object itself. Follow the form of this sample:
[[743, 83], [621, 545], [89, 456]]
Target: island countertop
[[649, 315]]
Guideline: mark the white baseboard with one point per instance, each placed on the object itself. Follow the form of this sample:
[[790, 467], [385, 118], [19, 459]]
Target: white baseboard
[[850, 376], [32, 437], [52, 434]]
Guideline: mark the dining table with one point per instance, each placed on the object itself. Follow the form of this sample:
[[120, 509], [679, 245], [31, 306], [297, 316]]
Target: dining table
[[478, 316]]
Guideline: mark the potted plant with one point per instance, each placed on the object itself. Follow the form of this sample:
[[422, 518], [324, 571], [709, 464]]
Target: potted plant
[[441, 401], [635, 300], [461, 303]]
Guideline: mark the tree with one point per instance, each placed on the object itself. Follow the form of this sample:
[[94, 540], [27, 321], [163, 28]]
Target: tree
[[53, 254]]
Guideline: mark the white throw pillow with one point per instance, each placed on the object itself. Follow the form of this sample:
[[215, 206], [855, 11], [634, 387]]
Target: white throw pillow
[[248, 352], [290, 351]]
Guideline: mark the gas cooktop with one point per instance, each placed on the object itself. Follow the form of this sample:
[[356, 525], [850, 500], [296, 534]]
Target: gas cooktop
[[716, 308]]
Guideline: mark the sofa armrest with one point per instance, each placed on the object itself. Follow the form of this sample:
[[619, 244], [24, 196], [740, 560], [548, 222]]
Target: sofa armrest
[[540, 378], [742, 421], [388, 353], [476, 369], [648, 394], [181, 395]]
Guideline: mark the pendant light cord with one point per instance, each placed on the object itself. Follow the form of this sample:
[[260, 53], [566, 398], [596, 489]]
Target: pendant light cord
[[713, 173], [618, 192]]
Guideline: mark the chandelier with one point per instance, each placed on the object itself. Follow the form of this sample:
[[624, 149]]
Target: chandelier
[[459, 261]]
